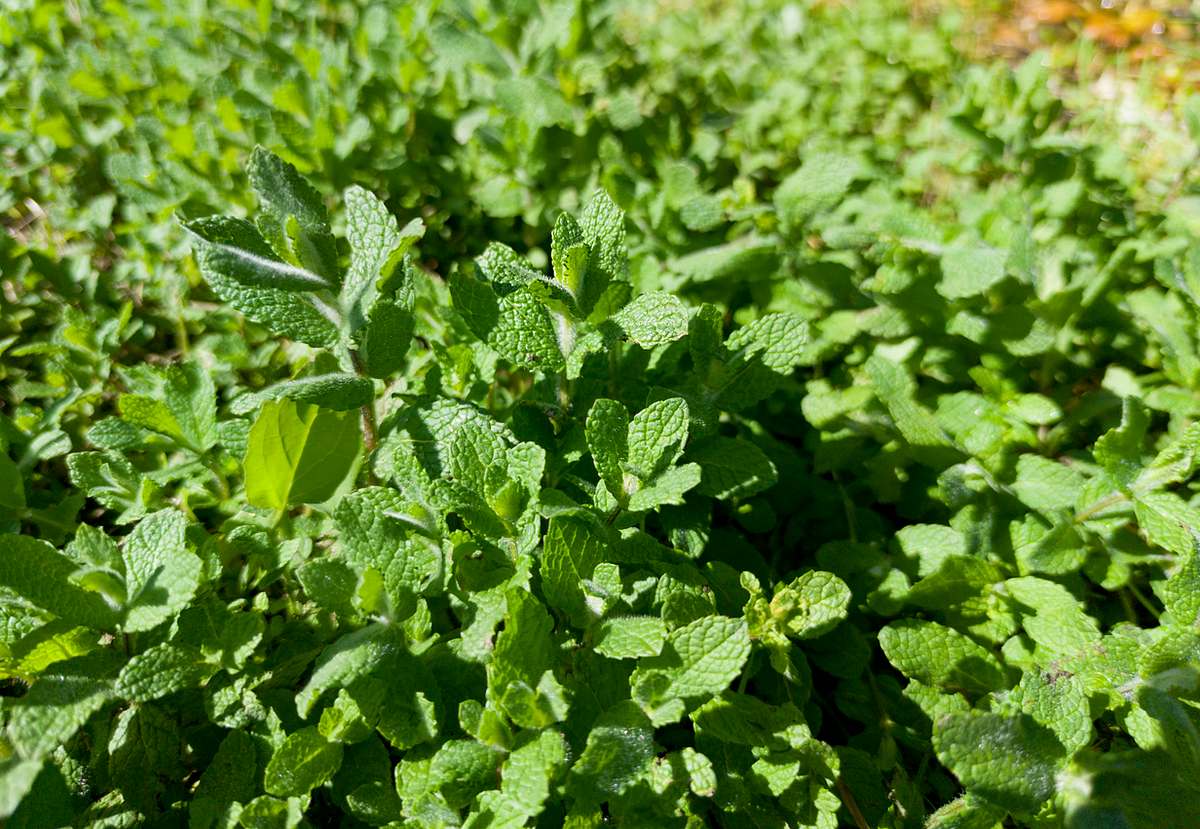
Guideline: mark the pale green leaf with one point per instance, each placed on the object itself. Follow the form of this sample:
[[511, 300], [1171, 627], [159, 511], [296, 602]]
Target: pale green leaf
[[304, 761], [1008, 761], [42, 576], [299, 453], [941, 656]]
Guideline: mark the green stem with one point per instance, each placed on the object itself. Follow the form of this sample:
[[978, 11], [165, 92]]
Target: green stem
[[214, 466], [370, 424], [1100, 506], [1143, 600]]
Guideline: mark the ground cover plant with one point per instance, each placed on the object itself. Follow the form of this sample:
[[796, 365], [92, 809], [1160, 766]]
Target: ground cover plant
[[580, 414]]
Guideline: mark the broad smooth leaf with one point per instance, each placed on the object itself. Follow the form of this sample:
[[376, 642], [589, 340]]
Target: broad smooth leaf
[[299, 453]]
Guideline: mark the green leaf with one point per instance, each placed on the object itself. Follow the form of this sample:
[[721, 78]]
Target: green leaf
[[652, 319], [42, 576], [520, 675], [941, 656], [811, 605], [231, 775], [242, 270], [896, 389], [304, 761], [1134, 789], [161, 670], [698, 661], [377, 245], [299, 454], [607, 432], [1168, 521], [16, 780], [350, 657], [751, 258], [571, 550], [143, 754], [1008, 761], [517, 325], [386, 338], [535, 102], [657, 435], [1059, 702], [619, 750], [631, 637], [12, 487], [1181, 593], [1119, 450], [233, 250], [336, 391], [603, 226], [731, 468], [58, 704], [815, 187], [1046, 485], [529, 773], [463, 768], [969, 269], [177, 401], [967, 812], [1059, 625], [667, 488], [292, 215], [331, 584], [525, 334], [1176, 462], [113, 482], [930, 545], [161, 574], [569, 253], [376, 529]]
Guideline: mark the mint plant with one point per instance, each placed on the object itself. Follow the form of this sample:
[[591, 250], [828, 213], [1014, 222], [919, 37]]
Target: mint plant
[[490, 553]]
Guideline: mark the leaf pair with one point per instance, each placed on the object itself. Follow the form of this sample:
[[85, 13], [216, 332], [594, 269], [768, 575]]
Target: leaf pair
[[636, 457]]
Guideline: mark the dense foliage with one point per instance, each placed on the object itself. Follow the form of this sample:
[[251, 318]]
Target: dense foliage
[[731, 414]]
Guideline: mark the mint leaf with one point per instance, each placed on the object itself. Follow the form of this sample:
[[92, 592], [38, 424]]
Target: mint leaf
[[603, 227], [631, 637], [39, 574], [571, 550], [1010, 762], [377, 245], [298, 453], [811, 605], [652, 319], [619, 750], [336, 391], [161, 670], [161, 574], [1046, 485], [657, 435], [698, 661], [607, 433], [243, 271], [292, 216], [938, 655], [731, 468], [352, 656], [241, 265], [970, 268], [304, 761]]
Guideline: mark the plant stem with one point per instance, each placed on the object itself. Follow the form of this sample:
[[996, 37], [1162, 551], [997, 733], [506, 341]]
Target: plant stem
[[851, 804], [370, 426], [1143, 600], [1099, 506]]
